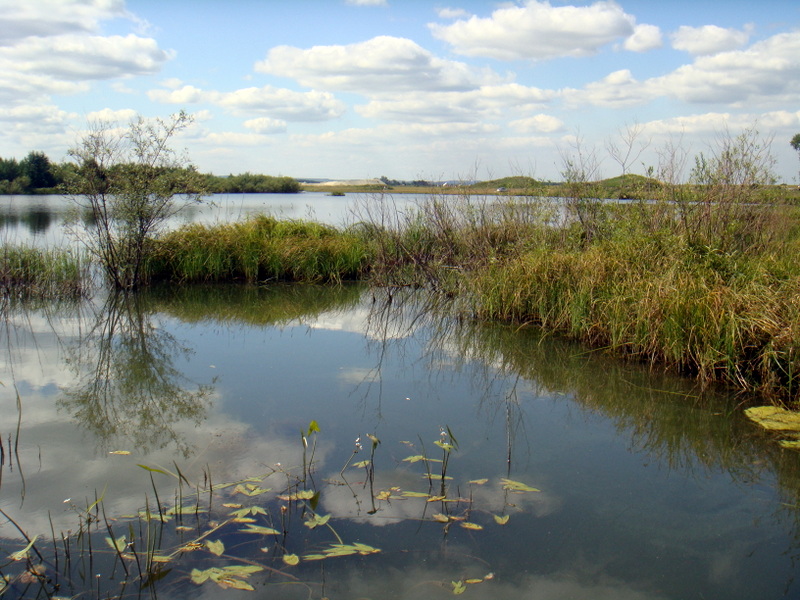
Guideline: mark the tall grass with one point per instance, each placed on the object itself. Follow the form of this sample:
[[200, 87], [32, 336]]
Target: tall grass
[[260, 249], [35, 272]]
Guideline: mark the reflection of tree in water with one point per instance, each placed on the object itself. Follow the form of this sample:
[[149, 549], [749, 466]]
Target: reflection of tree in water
[[129, 391]]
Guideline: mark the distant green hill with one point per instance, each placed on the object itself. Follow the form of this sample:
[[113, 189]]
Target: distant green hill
[[518, 182], [629, 186]]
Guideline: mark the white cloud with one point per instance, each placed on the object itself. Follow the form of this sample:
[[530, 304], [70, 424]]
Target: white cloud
[[451, 13], [538, 123], [83, 57], [644, 38], [767, 73], [234, 139], [708, 39], [713, 122], [266, 125], [538, 31], [615, 90], [486, 103], [187, 94], [282, 103], [44, 18], [382, 64], [108, 115]]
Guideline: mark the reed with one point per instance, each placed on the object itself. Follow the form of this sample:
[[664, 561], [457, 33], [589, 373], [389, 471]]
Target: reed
[[260, 249], [41, 273]]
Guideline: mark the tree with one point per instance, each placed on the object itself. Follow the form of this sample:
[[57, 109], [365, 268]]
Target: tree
[[37, 168], [795, 143], [131, 182]]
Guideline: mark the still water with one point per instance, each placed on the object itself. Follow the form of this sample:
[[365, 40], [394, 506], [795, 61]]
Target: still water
[[341, 442], [646, 489]]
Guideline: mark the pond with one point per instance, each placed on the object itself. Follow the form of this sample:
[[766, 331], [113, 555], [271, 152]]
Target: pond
[[297, 441], [39, 220]]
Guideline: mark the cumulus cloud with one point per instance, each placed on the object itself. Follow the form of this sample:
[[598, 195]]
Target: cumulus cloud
[[767, 72], [381, 64], [644, 38], [708, 39], [108, 115], [282, 103], [266, 125], [617, 89], [484, 103], [538, 123], [188, 94], [84, 57], [538, 31], [46, 18]]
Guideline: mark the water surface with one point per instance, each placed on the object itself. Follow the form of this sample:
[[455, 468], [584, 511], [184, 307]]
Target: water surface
[[648, 488]]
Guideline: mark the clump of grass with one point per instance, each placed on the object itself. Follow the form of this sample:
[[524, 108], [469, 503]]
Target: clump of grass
[[41, 273], [260, 249]]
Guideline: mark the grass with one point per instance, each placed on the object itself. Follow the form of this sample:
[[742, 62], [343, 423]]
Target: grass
[[34, 272], [258, 250]]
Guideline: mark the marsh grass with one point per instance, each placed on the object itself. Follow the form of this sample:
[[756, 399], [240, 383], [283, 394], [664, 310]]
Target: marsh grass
[[258, 250], [42, 273]]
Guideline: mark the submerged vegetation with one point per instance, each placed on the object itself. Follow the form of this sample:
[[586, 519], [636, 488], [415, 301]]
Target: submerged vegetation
[[263, 530]]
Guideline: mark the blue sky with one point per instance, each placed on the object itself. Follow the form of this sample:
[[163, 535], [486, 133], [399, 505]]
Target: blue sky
[[408, 89]]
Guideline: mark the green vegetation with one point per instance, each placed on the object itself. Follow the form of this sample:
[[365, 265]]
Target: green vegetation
[[258, 250], [34, 272]]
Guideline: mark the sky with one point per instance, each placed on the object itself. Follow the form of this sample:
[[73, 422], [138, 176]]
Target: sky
[[407, 89]]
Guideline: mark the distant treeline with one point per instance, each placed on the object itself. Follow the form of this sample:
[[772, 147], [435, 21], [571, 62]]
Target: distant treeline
[[36, 174]]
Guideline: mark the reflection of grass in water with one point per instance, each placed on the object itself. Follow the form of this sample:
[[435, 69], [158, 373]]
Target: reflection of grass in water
[[262, 530]]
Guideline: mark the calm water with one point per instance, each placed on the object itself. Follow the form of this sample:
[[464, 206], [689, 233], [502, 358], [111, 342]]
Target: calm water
[[39, 219], [647, 491]]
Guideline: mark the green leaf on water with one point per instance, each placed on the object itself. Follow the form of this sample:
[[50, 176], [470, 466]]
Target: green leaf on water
[[516, 486], [473, 526], [361, 465], [248, 510], [301, 495], [317, 521], [216, 547], [501, 520], [227, 577], [413, 459], [478, 481], [343, 550], [260, 530], [249, 489], [118, 544], [444, 446], [291, 559], [458, 587]]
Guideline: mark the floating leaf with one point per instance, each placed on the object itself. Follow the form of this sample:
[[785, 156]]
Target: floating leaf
[[291, 559], [444, 446], [260, 530], [249, 510], [458, 587], [415, 494], [301, 495], [441, 518], [243, 520], [216, 547], [118, 544], [478, 481], [343, 550], [413, 459], [501, 520], [249, 489], [361, 465], [516, 486], [158, 558], [436, 498], [232, 505], [121, 452], [468, 525], [317, 521], [226, 581], [472, 581], [383, 495]]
